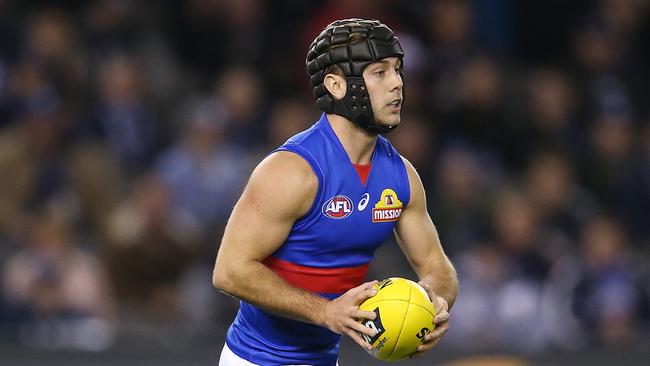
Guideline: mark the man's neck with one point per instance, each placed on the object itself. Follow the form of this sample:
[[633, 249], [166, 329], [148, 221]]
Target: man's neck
[[358, 144]]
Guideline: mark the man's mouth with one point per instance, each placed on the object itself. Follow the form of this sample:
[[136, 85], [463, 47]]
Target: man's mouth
[[397, 103]]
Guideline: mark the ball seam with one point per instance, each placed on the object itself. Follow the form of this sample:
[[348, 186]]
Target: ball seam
[[401, 328], [424, 307]]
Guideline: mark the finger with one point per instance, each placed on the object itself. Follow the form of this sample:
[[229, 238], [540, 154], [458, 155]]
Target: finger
[[441, 317], [358, 339], [362, 314], [442, 304], [423, 348], [436, 334], [430, 343], [369, 284], [365, 294], [362, 328], [363, 287]]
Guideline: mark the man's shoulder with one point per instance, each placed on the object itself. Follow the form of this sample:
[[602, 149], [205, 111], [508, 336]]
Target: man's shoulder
[[285, 161], [284, 180], [285, 167]]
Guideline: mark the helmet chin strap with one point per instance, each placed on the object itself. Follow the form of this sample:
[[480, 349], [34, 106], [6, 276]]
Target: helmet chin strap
[[356, 106], [377, 129]]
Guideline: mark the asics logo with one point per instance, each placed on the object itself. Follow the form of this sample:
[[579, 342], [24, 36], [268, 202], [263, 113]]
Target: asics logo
[[363, 202]]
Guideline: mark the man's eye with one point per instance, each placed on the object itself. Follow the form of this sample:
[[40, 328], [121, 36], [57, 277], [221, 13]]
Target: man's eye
[[380, 72]]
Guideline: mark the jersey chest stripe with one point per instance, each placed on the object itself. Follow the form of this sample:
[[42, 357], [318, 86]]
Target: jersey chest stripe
[[315, 279]]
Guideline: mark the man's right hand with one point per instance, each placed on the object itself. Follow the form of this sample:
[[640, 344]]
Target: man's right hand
[[342, 315]]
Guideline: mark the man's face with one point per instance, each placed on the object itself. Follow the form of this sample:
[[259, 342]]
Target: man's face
[[384, 85]]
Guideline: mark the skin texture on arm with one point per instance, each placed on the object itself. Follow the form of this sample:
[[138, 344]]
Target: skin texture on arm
[[418, 238], [280, 191]]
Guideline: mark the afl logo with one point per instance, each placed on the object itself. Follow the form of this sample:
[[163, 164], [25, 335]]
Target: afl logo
[[338, 207]]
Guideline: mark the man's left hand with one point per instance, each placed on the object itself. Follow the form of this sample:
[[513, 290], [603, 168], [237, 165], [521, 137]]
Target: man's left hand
[[441, 322]]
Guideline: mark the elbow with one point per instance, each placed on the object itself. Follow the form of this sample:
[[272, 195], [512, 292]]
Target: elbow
[[221, 278], [230, 276]]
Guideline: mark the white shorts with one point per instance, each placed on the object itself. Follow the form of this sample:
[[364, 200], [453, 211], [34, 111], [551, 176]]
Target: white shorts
[[229, 358]]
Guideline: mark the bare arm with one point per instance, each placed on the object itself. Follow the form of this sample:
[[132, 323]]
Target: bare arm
[[418, 238], [280, 191]]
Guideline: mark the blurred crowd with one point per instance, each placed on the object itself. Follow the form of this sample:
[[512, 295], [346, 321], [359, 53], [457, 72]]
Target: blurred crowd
[[128, 130]]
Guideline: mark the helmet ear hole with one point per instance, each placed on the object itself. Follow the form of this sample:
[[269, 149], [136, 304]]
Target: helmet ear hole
[[347, 47]]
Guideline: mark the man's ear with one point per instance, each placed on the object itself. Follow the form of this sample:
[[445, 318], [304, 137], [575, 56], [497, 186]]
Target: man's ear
[[335, 85]]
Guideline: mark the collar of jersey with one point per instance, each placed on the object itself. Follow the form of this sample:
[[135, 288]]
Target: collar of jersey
[[331, 135]]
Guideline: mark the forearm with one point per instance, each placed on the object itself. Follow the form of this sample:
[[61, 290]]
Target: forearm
[[443, 279], [255, 283]]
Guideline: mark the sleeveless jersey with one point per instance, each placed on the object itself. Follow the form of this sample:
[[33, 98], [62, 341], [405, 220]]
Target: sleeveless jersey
[[328, 250]]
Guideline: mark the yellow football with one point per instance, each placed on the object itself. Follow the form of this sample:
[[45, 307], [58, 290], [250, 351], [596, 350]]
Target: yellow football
[[404, 316]]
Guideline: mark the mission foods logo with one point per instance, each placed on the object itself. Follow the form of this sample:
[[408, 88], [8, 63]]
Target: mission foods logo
[[389, 207], [338, 207]]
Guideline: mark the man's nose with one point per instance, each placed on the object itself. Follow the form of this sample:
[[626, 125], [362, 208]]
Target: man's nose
[[396, 82]]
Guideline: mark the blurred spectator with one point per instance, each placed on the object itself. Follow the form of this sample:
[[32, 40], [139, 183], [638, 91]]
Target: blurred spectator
[[503, 282], [562, 205], [517, 230], [607, 156], [458, 202], [481, 270], [605, 296], [450, 46], [97, 181], [204, 171], [15, 162], [59, 290], [478, 117], [125, 119], [594, 294], [286, 118], [605, 64], [150, 245], [240, 91], [549, 118], [42, 125], [53, 43], [451, 25], [30, 90]]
